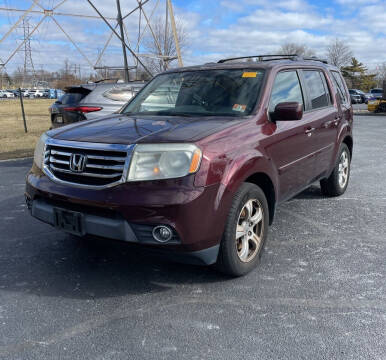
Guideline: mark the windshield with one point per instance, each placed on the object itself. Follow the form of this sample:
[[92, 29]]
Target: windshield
[[199, 93], [376, 91]]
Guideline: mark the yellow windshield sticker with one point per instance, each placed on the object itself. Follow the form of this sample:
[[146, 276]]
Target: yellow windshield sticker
[[249, 74]]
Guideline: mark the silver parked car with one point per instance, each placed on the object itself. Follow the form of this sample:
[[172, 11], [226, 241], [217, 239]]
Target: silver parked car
[[90, 101]]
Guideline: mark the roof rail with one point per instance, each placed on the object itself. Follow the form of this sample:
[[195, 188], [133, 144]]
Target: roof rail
[[261, 57], [314, 58], [293, 57]]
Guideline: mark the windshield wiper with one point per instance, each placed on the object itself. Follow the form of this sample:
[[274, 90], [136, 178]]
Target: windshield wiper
[[175, 113]]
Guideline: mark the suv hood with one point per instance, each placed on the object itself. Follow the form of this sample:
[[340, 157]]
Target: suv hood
[[123, 129]]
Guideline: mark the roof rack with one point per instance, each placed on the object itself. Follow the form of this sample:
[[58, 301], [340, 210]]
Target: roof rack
[[293, 57], [314, 58]]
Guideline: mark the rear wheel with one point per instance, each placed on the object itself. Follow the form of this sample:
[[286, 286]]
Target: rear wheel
[[245, 231], [336, 184]]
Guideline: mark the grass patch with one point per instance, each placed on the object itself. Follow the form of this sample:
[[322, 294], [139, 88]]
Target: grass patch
[[14, 142]]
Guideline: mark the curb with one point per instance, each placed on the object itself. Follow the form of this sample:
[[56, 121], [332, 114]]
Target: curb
[[359, 111], [15, 159]]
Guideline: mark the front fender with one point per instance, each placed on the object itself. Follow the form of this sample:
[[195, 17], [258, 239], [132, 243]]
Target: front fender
[[247, 165]]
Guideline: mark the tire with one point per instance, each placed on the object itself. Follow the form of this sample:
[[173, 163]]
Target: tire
[[239, 256], [336, 184]]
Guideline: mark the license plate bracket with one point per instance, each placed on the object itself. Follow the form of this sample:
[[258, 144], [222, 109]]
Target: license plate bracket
[[59, 119], [69, 221]]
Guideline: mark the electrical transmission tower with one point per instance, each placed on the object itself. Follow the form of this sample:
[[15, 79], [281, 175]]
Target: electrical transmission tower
[[28, 62], [116, 27]]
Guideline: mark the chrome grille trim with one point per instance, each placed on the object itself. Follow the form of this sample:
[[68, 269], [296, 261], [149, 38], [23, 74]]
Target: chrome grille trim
[[109, 170], [103, 176]]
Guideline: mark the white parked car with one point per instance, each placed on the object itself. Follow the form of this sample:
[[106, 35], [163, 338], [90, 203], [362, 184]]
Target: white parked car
[[25, 92], [36, 93], [6, 94]]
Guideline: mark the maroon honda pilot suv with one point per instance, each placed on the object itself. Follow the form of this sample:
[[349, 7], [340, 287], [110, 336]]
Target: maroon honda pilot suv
[[195, 165]]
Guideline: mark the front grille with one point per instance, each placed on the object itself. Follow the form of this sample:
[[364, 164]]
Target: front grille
[[102, 167]]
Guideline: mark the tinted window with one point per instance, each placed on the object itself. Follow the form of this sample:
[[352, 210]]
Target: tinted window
[[317, 90], [376, 91], [338, 82], [286, 88]]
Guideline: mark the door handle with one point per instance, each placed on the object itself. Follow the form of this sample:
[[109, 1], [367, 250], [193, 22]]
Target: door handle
[[309, 131]]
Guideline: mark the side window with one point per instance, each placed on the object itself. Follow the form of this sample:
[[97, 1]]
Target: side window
[[338, 82], [286, 88], [317, 91]]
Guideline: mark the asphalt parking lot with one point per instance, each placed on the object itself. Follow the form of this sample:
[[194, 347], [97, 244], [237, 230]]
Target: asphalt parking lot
[[318, 293]]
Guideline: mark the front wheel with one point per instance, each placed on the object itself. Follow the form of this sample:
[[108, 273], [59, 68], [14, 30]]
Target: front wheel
[[245, 231], [336, 184]]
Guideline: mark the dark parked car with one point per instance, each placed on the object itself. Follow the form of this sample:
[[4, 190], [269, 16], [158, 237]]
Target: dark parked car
[[362, 95], [355, 98], [377, 93], [196, 164], [91, 101]]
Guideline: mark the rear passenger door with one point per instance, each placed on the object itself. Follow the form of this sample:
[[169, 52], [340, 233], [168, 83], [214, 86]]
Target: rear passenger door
[[290, 148], [322, 119]]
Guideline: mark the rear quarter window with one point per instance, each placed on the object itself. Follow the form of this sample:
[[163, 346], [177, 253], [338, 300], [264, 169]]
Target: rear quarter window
[[339, 84]]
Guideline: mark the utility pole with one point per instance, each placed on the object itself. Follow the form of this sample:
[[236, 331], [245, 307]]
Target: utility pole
[[174, 28], [166, 35], [120, 22]]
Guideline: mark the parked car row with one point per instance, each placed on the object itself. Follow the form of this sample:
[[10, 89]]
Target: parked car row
[[32, 93], [359, 97]]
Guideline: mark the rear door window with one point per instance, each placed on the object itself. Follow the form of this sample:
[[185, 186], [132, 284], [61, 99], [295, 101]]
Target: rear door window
[[286, 88], [317, 89]]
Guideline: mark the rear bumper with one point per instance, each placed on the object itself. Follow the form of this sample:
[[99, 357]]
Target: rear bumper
[[129, 212]]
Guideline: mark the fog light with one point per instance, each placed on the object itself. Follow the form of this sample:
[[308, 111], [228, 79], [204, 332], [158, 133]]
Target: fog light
[[162, 233]]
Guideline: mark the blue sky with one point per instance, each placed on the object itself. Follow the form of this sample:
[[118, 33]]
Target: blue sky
[[216, 29]]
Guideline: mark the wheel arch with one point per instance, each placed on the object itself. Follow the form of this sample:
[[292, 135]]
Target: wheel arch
[[348, 140], [263, 181]]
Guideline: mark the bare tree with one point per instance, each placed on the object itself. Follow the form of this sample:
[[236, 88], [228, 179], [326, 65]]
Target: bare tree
[[294, 48], [164, 46], [338, 53], [381, 74]]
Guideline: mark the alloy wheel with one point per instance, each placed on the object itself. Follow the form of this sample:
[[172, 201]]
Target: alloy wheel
[[249, 230]]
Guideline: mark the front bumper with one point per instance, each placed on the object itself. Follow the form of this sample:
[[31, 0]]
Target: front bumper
[[129, 211]]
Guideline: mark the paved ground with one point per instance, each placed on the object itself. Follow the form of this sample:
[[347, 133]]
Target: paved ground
[[319, 292]]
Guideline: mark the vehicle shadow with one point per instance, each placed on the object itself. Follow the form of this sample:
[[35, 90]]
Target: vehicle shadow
[[313, 192], [58, 265], [37, 259]]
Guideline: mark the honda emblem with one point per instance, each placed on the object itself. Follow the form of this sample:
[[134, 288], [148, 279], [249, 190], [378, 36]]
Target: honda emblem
[[77, 162]]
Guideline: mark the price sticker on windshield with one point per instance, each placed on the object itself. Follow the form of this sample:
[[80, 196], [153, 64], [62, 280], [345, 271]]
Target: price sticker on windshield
[[249, 74], [238, 107]]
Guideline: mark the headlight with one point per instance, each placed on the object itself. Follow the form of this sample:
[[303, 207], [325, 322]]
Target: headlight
[[39, 151], [164, 161]]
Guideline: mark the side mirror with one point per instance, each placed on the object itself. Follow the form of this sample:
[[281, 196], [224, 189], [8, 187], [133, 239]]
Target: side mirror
[[288, 111], [58, 102]]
